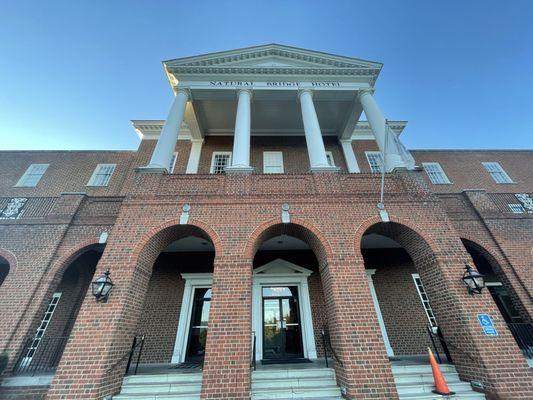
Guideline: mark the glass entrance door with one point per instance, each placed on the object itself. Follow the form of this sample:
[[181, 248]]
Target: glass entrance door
[[282, 334], [198, 325]]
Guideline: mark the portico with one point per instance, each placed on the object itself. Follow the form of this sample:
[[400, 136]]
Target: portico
[[281, 91]]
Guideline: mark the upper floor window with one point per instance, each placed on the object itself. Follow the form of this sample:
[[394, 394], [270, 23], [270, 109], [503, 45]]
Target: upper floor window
[[517, 208], [173, 162], [496, 171], [435, 173], [219, 161], [329, 156], [375, 161], [272, 162], [101, 175], [33, 175]]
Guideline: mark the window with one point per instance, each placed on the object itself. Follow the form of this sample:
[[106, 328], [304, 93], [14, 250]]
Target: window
[[375, 161], [425, 301], [435, 173], [272, 162], [219, 162], [517, 208], [496, 171], [329, 156], [41, 329], [101, 175], [33, 175], [13, 208], [173, 162]]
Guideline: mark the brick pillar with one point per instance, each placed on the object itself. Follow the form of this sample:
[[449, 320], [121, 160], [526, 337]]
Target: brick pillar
[[354, 330], [226, 373]]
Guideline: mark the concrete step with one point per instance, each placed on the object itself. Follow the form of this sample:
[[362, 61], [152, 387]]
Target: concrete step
[[428, 388], [470, 395], [156, 397], [162, 378], [293, 373], [292, 383], [396, 369], [307, 393], [423, 378], [174, 388]]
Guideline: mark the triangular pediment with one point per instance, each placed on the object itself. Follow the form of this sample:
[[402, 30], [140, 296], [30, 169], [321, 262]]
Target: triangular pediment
[[281, 266], [273, 58]]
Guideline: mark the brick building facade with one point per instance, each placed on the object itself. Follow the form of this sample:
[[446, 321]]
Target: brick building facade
[[260, 220]]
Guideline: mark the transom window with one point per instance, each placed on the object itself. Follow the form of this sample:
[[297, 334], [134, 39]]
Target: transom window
[[33, 175], [329, 156], [435, 173], [101, 175], [375, 161], [219, 162], [425, 300], [497, 172], [273, 162]]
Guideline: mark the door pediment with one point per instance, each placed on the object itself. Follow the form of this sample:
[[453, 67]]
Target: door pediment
[[282, 267]]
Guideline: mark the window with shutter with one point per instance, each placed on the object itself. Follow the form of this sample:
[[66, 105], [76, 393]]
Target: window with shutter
[[219, 162], [436, 173], [273, 162], [375, 161], [496, 171], [101, 175], [33, 175]]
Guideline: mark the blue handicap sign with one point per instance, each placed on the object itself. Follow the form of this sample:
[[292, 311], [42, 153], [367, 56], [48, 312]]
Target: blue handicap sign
[[486, 323]]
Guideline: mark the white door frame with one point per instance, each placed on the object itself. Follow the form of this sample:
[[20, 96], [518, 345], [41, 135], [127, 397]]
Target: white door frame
[[276, 273], [192, 282], [369, 274]]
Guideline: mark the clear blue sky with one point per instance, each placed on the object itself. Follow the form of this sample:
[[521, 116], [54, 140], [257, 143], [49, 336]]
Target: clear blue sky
[[74, 73]]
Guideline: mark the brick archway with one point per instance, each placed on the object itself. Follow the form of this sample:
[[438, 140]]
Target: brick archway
[[11, 261]]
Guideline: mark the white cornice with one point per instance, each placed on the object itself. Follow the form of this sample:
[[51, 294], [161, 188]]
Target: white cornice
[[363, 131], [150, 129], [269, 60]]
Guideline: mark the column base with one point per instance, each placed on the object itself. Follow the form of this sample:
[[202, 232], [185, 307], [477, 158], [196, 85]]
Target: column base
[[236, 169], [152, 169], [327, 168]]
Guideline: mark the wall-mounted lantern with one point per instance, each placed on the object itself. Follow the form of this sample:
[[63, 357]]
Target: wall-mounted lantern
[[473, 280], [102, 286]]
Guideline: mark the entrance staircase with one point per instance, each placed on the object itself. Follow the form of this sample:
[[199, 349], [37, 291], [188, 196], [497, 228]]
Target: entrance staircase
[[415, 382], [317, 383], [176, 386]]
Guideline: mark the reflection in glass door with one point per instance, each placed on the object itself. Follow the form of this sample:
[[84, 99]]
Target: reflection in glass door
[[198, 324], [282, 335]]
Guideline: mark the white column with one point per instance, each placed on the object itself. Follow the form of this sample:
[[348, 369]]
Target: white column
[[388, 347], [313, 134], [349, 156], [377, 123], [194, 156], [164, 149], [240, 159]]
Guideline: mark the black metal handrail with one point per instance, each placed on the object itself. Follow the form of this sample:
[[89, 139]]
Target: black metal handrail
[[438, 335], [40, 354], [523, 334], [253, 363], [326, 342], [138, 343]]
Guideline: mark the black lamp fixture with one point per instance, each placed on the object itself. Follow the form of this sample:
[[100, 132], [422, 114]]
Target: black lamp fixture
[[102, 286], [473, 280]]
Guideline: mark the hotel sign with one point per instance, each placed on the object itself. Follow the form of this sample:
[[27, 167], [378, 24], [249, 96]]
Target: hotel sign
[[275, 84]]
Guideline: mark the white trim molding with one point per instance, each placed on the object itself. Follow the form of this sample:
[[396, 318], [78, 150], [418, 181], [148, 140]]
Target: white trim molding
[[388, 347], [281, 272], [192, 282]]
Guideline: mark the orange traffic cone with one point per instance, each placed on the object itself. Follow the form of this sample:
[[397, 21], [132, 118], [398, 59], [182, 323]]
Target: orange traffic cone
[[441, 387]]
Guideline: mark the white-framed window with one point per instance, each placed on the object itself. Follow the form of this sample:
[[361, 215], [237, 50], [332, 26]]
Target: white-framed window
[[219, 161], [497, 172], [173, 161], [436, 174], [425, 300], [329, 156], [33, 175], [517, 208], [273, 162], [41, 329], [375, 161], [101, 175]]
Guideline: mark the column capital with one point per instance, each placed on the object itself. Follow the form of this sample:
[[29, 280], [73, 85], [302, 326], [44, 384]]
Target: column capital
[[305, 90], [361, 92], [184, 90], [246, 90]]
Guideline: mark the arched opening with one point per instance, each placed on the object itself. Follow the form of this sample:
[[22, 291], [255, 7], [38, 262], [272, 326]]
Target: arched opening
[[175, 314], [395, 257], [288, 308], [43, 349], [4, 269]]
